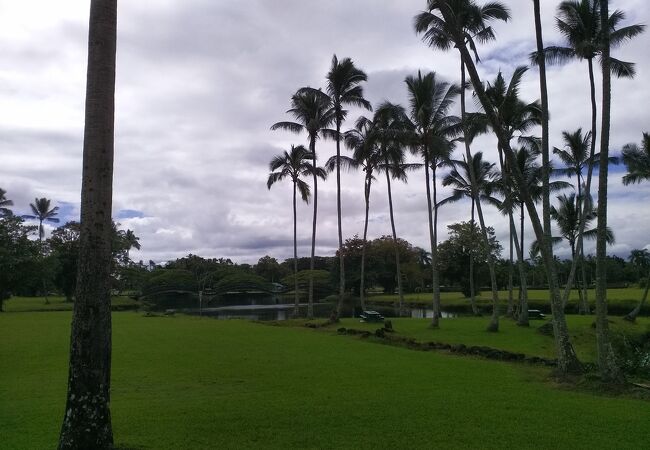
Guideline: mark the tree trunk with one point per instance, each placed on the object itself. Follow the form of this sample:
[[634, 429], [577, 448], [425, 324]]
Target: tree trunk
[[87, 419], [340, 230], [510, 310], [631, 317], [472, 288], [435, 321], [392, 225], [435, 275], [310, 302], [296, 308], [494, 321], [609, 370], [365, 237]]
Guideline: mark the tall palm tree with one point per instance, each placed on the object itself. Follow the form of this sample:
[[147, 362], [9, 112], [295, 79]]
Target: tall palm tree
[[313, 113], [434, 130], [469, 25], [641, 259], [448, 13], [344, 89], [87, 418], [131, 241], [459, 179], [5, 203], [42, 212], [363, 141], [608, 366], [293, 165], [637, 161]]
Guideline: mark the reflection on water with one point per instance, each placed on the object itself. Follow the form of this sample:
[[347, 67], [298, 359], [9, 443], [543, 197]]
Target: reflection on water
[[427, 313]]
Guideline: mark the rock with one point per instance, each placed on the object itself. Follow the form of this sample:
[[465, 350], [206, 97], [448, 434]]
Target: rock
[[546, 329]]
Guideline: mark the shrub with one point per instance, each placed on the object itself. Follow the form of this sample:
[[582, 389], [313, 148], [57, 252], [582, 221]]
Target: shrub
[[171, 288]]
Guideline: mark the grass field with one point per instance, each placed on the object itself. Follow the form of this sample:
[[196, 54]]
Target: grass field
[[471, 331], [192, 383], [58, 303], [624, 299]]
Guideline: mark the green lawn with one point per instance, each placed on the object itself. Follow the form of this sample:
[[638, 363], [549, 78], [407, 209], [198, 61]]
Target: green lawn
[[58, 303], [471, 331], [188, 382], [621, 299]]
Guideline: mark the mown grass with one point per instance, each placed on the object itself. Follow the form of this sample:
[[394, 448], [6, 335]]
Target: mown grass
[[58, 303], [624, 299], [471, 331], [194, 383]]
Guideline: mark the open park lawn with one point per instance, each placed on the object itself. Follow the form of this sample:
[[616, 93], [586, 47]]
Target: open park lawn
[[187, 382]]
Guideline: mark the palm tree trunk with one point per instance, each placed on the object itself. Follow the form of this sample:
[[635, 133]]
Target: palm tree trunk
[[435, 279], [472, 288], [87, 419], [494, 321], [392, 224], [631, 317], [310, 304], [340, 230], [296, 308], [362, 286], [435, 321], [609, 369], [510, 311]]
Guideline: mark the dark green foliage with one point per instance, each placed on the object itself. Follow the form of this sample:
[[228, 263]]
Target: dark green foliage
[[19, 256], [171, 288], [323, 283]]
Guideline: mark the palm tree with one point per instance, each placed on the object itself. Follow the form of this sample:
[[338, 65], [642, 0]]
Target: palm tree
[[459, 179], [87, 418], [448, 17], [131, 241], [313, 114], [433, 133], [641, 259], [637, 161], [42, 212], [293, 165], [609, 368], [4, 203], [363, 141], [344, 89]]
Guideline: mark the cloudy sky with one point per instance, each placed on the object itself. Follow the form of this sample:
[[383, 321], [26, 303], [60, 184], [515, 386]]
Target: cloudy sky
[[199, 82]]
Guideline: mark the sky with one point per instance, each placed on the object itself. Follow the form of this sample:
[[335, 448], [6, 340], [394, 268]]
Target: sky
[[200, 82]]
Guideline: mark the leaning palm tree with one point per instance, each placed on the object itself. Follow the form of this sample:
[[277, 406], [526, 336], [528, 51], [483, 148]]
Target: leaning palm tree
[[640, 259], [459, 180], [42, 212], [344, 89], [5, 203], [637, 161], [314, 115], [363, 141], [293, 165], [433, 133], [450, 23], [87, 418]]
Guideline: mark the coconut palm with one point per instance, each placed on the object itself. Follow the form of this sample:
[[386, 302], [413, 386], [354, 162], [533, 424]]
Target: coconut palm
[[641, 259], [293, 165], [363, 141], [42, 212], [344, 89], [87, 418], [131, 241], [434, 131], [459, 179], [637, 161], [449, 21], [314, 115], [607, 364], [5, 203]]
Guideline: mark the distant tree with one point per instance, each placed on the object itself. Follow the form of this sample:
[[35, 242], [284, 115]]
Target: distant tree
[[4, 204], [637, 161], [42, 212], [270, 269], [64, 244], [18, 254]]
